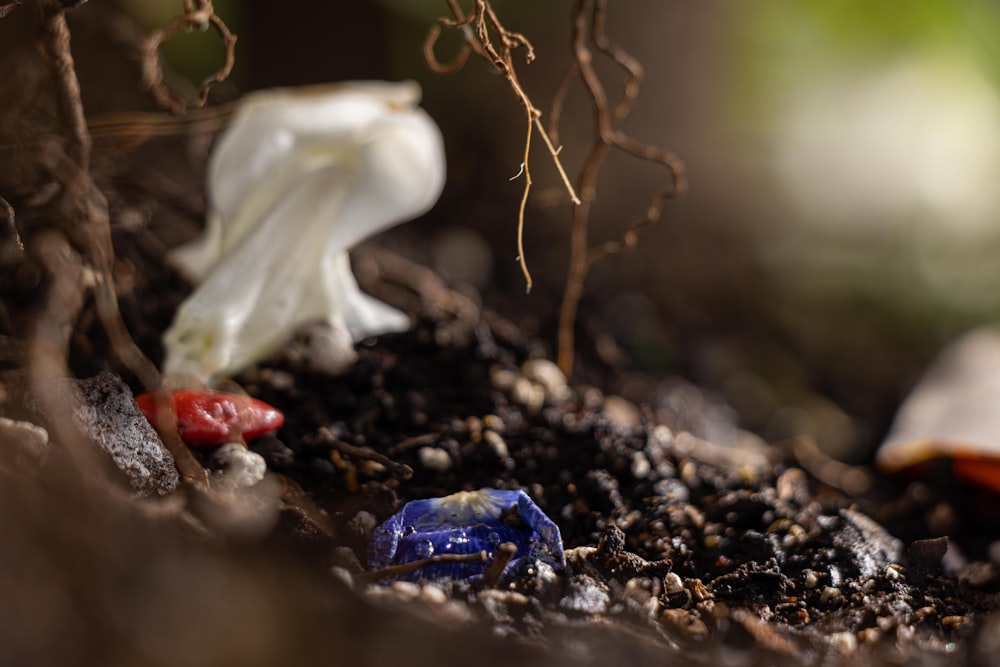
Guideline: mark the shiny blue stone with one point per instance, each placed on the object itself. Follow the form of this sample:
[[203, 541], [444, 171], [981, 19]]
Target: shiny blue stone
[[464, 523]]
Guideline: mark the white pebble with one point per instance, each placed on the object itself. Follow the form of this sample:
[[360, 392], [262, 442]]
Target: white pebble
[[621, 413], [502, 378], [433, 595], [406, 590], [529, 394], [829, 594], [548, 375], [672, 583], [640, 466], [435, 459], [27, 444], [844, 643], [329, 348], [497, 444], [241, 467]]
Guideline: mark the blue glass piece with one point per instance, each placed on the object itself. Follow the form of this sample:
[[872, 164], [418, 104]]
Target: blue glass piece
[[464, 523]]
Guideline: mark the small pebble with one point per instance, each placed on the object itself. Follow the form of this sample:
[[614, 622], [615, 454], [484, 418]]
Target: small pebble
[[548, 375], [329, 349], [844, 643], [830, 594], [662, 435], [25, 444], [455, 613], [433, 595], [362, 523], [241, 467], [342, 575], [109, 416], [344, 558], [640, 466], [502, 379], [622, 414], [279, 380], [792, 485], [529, 394], [434, 459], [497, 444], [474, 425], [869, 635], [672, 583], [494, 423], [586, 595], [406, 590], [954, 623], [684, 623]]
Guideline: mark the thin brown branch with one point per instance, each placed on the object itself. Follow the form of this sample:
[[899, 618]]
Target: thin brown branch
[[406, 568], [55, 43], [487, 37], [632, 67], [504, 554], [198, 16], [630, 237], [193, 475], [559, 102], [90, 229], [50, 337], [12, 220], [456, 63], [606, 137], [678, 172], [9, 7], [401, 470]]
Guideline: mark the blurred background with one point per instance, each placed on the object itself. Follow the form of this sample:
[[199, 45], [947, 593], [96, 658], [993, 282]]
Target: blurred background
[[842, 220]]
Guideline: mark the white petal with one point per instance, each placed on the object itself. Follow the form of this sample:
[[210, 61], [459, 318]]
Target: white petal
[[362, 315], [296, 181]]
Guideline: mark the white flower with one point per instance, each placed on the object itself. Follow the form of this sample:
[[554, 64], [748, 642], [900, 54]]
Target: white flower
[[298, 178]]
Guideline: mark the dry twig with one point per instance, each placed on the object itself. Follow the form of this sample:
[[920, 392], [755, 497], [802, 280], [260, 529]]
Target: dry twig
[[88, 227], [606, 137], [483, 31], [488, 38], [200, 15], [406, 568], [12, 220], [92, 230], [401, 470], [8, 8]]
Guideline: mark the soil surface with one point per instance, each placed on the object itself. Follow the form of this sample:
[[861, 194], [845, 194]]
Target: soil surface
[[687, 540]]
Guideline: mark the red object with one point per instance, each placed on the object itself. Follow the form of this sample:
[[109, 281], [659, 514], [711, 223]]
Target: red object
[[210, 418]]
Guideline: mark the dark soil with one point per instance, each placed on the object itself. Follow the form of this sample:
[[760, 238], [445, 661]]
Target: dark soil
[[679, 549]]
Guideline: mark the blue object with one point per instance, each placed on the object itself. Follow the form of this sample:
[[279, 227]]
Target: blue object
[[466, 522]]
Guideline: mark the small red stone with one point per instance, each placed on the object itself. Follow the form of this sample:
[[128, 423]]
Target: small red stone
[[210, 418]]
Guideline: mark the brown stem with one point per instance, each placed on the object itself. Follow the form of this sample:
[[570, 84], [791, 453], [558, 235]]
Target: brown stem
[[200, 17], [606, 137], [12, 219], [488, 38], [406, 568], [56, 45], [92, 231], [504, 554]]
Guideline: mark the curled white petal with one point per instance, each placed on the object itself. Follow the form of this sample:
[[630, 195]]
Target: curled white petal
[[297, 179]]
